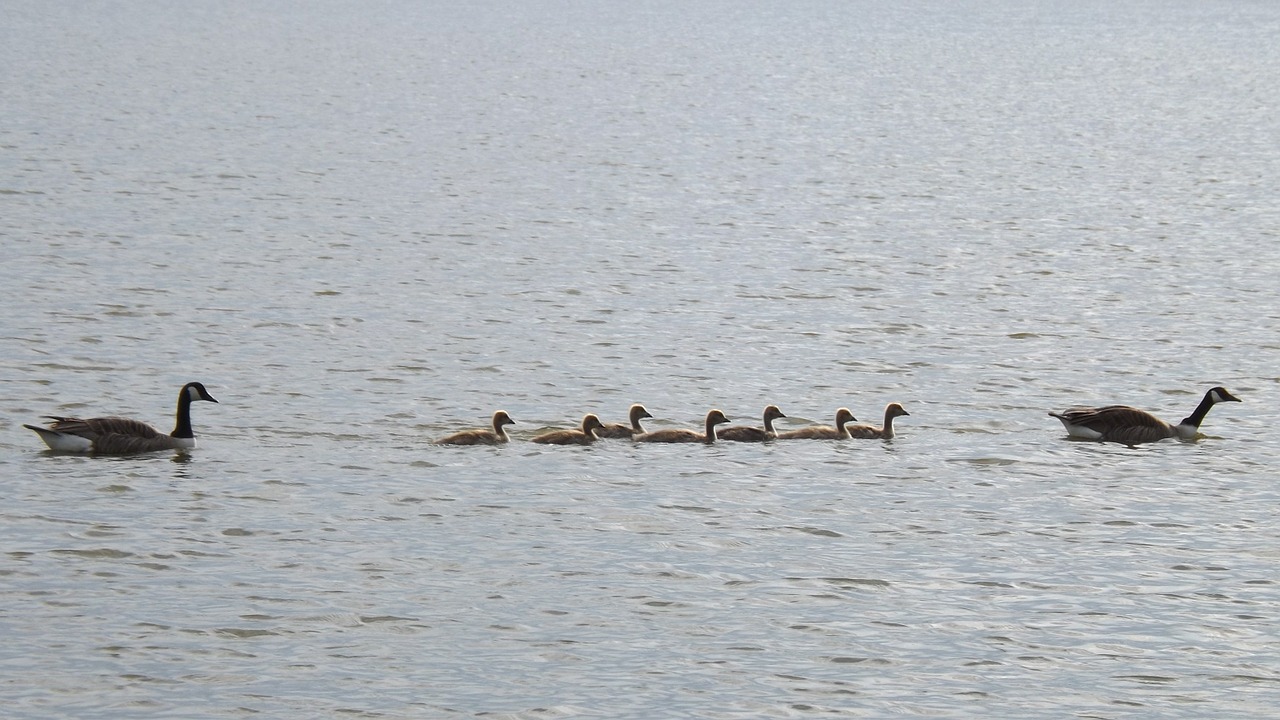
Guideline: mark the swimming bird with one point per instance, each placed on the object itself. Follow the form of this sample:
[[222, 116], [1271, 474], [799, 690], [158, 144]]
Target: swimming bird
[[584, 436], [618, 430], [871, 432], [482, 436], [123, 436], [1131, 426], [748, 433], [681, 435], [823, 432]]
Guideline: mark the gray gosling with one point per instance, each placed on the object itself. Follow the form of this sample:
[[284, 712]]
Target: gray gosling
[[584, 436], [748, 433], [871, 432], [1131, 426], [123, 436], [681, 435], [618, 430], [482, 436], [823, 432]]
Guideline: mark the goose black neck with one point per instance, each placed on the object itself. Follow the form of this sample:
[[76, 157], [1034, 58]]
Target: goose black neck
[[183, 427], [1197, 417]]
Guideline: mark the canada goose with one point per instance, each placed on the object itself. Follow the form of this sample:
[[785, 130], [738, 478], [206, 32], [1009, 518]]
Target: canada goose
[[482, 436], [618, 430], [122, 436], [1131, 426], [584, 436], [748, 433], [681, 435], [871, 432], [823, 432]]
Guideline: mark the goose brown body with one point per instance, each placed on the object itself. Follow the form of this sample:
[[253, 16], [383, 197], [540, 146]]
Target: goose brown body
[[1131, 426], [884, 432], [823, 432], [682, 435], [494, 435], [618, 430], [123, 436], [585, 435], [747, 433]]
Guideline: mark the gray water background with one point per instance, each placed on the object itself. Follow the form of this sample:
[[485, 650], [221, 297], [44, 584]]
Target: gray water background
[[365, 225]]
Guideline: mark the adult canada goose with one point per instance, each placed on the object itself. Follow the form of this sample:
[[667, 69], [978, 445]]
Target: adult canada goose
[[748, 433], [618, 430], [123, 436], [1131, 426], [823, 432], [871, 432], [584, 436], [681, 435], [482, 436]]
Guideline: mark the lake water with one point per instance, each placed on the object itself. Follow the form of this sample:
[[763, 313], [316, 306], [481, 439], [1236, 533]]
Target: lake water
[[366, 225]]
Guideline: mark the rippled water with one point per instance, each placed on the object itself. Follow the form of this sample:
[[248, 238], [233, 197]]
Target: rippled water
[[365, 226]]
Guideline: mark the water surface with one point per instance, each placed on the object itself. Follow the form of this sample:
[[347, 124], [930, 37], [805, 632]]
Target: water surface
[[365, 227]]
